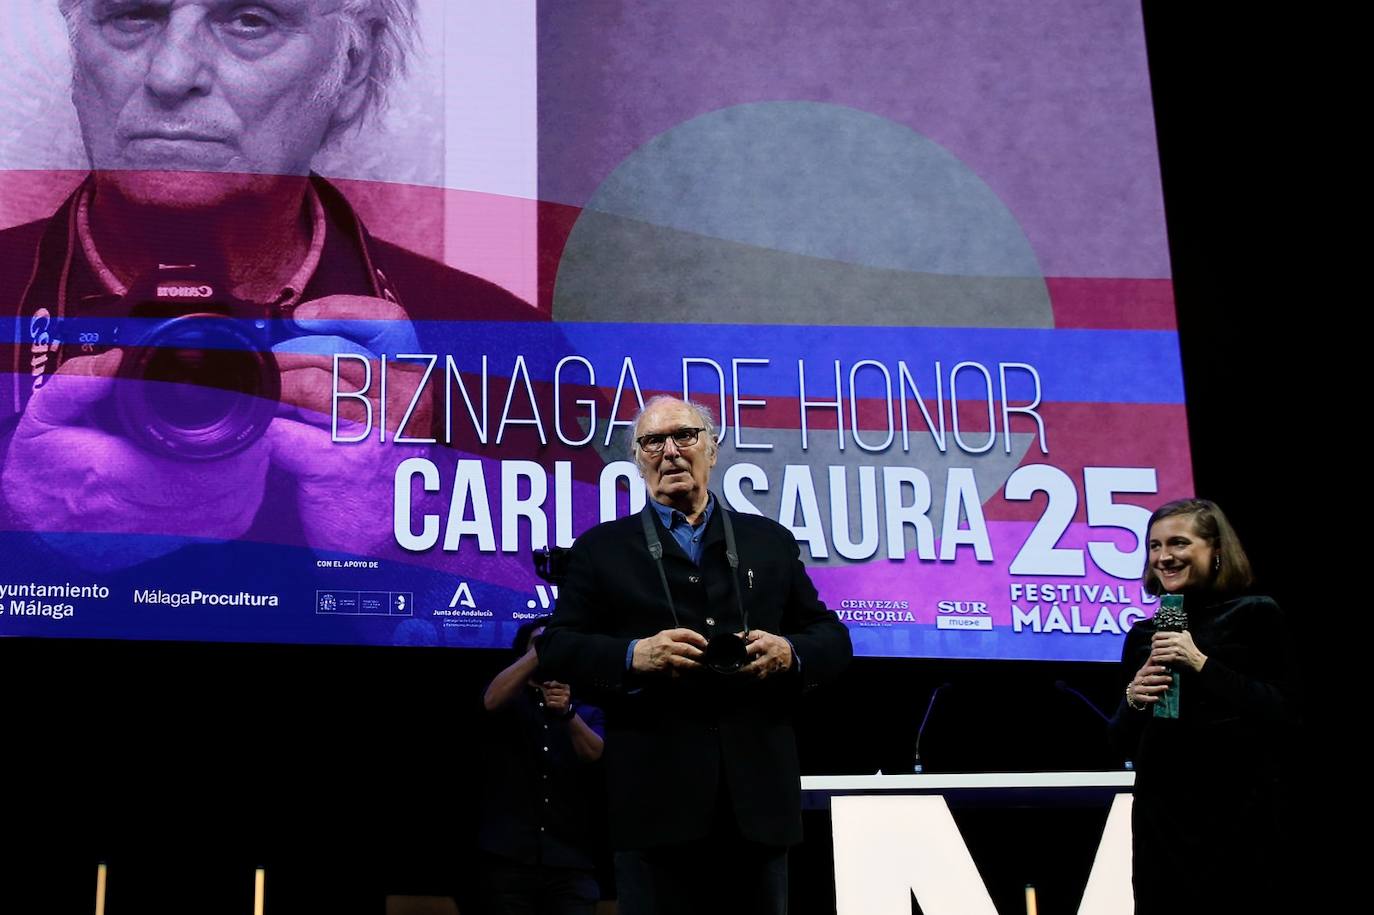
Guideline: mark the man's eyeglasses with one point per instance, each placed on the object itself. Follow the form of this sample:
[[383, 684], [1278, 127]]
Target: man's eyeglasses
[[684, 438]]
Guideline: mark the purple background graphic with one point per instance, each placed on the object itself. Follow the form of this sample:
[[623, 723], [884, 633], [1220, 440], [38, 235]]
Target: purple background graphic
[[1048, 103]]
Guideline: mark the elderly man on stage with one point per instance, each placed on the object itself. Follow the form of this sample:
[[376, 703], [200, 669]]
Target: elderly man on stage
[[699, 628]]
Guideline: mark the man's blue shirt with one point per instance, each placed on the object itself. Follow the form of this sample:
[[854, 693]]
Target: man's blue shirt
[[687, 536]]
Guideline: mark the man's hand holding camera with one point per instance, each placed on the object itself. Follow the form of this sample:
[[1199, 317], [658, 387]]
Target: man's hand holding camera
[[679, 650], [343, 488], [769, 654], [673, 650]]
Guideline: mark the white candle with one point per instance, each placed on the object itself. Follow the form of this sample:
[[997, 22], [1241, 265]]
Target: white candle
[[100, 889], [259, 881], [1030, 900]]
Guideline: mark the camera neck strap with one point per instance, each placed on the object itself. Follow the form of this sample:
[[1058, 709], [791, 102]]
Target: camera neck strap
[[651, 540]]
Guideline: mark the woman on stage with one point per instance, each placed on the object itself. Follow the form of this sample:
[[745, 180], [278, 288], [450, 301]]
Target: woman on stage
[[1204, 820]]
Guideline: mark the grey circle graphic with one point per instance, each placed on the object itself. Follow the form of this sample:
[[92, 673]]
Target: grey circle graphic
[[798, 213]]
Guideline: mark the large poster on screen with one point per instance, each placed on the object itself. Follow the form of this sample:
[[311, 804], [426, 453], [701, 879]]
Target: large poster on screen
[[323, 314]]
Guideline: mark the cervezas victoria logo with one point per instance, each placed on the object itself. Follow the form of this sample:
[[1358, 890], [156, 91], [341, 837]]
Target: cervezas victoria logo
[[875, 611]]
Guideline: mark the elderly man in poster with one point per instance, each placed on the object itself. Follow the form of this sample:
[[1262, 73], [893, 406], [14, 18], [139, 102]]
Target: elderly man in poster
[[200, 119], [700, 628]]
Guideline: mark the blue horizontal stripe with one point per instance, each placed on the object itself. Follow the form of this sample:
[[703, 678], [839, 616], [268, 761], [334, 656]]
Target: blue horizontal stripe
[[1103, 366]]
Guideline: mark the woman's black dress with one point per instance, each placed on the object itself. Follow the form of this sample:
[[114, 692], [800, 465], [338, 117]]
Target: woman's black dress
[[1205, 817]]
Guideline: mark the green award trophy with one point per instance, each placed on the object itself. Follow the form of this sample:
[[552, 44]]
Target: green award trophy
[[1170, 618]]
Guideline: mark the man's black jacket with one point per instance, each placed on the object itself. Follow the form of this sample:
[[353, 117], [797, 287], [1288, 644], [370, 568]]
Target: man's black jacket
[[669, 740]]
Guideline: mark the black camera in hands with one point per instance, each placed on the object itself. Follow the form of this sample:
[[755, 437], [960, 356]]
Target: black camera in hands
[[725, 653], [197, 380]]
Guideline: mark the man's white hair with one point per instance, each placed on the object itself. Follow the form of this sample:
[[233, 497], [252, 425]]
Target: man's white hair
[[704, 420], [387, 29], [382, 29]]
